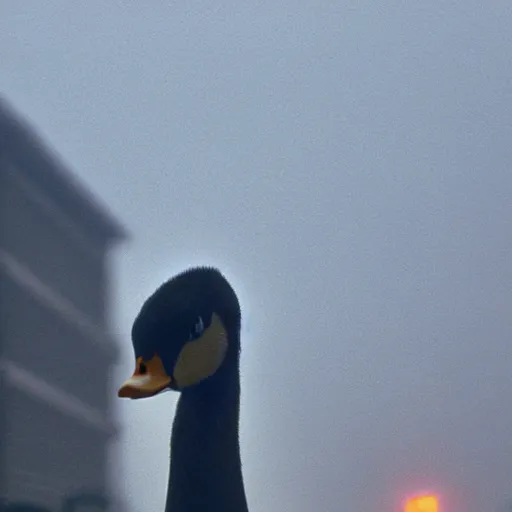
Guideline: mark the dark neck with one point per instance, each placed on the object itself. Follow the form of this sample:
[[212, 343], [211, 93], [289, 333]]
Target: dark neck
[[206, 474]]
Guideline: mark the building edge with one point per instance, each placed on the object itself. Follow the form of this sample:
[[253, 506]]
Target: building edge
[[24, 147]]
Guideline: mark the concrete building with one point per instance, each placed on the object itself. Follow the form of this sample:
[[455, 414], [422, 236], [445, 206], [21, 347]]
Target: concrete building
[[56, 350]]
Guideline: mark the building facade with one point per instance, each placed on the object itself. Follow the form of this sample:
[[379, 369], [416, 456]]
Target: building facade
[[56, 350]]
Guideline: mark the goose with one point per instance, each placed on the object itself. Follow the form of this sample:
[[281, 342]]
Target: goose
[[186, 338]]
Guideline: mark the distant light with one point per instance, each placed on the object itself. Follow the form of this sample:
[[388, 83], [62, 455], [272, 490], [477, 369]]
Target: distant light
[[424, 503]]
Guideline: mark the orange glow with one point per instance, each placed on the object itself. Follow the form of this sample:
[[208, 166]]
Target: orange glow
[[427, 503]]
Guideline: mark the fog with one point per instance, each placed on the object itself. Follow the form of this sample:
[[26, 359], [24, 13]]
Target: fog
[[347, 166]]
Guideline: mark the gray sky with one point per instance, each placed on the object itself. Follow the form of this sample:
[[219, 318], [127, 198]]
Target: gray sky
[[348, 166]]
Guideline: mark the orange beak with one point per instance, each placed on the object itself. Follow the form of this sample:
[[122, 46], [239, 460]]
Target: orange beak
[[149, 379]]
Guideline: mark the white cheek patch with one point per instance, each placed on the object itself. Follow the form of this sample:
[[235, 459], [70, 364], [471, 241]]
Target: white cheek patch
[[201, 358]]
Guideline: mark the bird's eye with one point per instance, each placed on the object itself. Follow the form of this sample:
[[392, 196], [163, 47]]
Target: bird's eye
[[198, 328]]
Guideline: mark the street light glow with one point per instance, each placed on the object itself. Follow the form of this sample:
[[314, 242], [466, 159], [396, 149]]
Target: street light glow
[[424, 503]]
